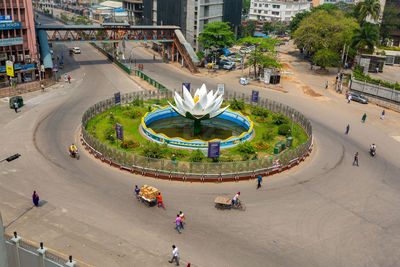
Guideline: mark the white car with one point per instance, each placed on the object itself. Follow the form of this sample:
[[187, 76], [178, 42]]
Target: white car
[[76, 50]]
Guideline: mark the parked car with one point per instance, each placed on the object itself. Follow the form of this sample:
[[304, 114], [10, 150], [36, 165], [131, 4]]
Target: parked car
[[229, 65], [224, 61], [76, 50], [358, 98]]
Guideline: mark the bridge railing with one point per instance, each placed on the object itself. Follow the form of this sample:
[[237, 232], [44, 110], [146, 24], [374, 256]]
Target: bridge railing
[[197, 171]]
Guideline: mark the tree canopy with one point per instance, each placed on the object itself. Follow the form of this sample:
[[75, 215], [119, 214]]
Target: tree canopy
[[249, 29], [216, 35], [263, 56], [370, 8], [365, 38], [268, 27], [324, 30], [326, 58]]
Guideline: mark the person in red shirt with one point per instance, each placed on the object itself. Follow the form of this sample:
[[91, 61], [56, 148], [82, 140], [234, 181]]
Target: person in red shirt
[[160, 201]]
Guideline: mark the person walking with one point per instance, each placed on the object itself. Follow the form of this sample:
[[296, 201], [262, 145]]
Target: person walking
[[137, 191], [175, 255], [348, 98], [35, 199], [383, 114], [15, 104], [178, 222], [259, 181], [347, 128], [66, 77], [364, 117], [160, 201], [326, 85], [69, 79], [355, 162], [182, 218]]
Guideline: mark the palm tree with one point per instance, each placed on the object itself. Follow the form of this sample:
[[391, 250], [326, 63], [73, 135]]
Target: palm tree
[[365, 38], [370, 8]]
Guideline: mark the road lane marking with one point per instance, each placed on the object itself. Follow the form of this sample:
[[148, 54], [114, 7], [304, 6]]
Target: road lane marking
[[397, 138]]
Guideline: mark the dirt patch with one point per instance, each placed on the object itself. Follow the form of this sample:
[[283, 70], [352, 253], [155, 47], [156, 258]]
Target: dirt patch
[[308, 91], [277, 87], [286, 66]]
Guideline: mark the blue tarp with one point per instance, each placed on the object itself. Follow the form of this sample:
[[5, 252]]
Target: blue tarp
[[226, 52], [257, 34], [45, 50], [119, 10]]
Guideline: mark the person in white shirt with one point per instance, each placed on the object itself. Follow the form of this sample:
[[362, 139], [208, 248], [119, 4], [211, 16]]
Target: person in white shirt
[[235, 199], [175, 255]]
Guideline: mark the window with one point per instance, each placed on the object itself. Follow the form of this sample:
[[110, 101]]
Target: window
[[275, 13], [265, 11], [259, 11], [266, 5], [276, 6]]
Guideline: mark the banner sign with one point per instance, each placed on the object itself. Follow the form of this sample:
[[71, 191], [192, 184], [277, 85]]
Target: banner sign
[[5, 18], [187, 85], [213, 149], [221, 88], [11, 41], [254, 96], [10, 68], [10, 25], [117, 97], [120, 131]]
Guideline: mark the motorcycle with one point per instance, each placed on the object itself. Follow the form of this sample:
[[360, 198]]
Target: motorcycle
[[74, 154], [372, 151]]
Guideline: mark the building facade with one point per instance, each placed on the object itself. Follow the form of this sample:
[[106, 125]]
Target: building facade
[[267, 10], [192, 15], [17, 40], [135, 10]]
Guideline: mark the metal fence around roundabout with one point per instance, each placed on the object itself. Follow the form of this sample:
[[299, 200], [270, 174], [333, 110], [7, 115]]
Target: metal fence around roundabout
[[196, 171]]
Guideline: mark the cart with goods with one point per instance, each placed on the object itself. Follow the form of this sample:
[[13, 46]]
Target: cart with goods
[[226, 203], [148, 194]]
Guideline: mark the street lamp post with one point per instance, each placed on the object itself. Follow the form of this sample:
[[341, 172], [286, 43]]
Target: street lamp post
[[291, 126]]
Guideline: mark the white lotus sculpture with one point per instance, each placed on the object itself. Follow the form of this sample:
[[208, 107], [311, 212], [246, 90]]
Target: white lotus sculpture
[[201, 106]]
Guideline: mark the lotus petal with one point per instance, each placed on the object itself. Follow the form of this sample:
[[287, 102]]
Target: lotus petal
[[188, 98]]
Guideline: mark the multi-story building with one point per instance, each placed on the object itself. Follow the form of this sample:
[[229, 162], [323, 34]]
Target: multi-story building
[[17, 39], [192, 15], [272, 10], [392, 16], [135, 9]]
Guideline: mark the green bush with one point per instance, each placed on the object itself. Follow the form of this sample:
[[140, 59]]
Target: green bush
[[279, 119], [237, 104], [196, 156], [137, 102], [130, 144], [111, 138], [259, 111], [283, 129], [268, 135], [247, 148], [154, 150]]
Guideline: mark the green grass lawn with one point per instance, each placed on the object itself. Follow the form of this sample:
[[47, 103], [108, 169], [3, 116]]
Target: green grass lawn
[[266, 127]]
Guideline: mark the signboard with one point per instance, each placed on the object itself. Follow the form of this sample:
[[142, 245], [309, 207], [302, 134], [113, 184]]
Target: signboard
[[187, 85], [120, 131], [5, 18], [213, 149], [10, 68], [221, 88], [254, 96], [117, 97], [10, 25], [11, 41], [55, 68]]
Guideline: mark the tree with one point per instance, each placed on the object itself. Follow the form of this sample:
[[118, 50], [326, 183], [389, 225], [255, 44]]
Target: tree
[[216, 35], [326, 58], [263, 55], [268, 27], [322, 30], [370, 8], [280, 27], [365, 38], [245, 7], [249, 29], [294, 24]]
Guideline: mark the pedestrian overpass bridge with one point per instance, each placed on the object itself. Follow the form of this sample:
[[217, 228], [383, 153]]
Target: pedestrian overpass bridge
[[118, 32]]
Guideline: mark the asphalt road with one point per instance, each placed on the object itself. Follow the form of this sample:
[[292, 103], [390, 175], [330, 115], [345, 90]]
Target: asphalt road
[[325, 212]]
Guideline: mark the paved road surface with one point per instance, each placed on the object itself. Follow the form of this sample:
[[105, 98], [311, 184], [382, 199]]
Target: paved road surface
[[323, 213]]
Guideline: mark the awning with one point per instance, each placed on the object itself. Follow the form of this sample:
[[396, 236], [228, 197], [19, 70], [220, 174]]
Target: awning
[[45, 50]]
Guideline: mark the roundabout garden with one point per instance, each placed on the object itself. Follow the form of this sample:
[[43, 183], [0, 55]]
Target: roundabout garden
[[167, 135]]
